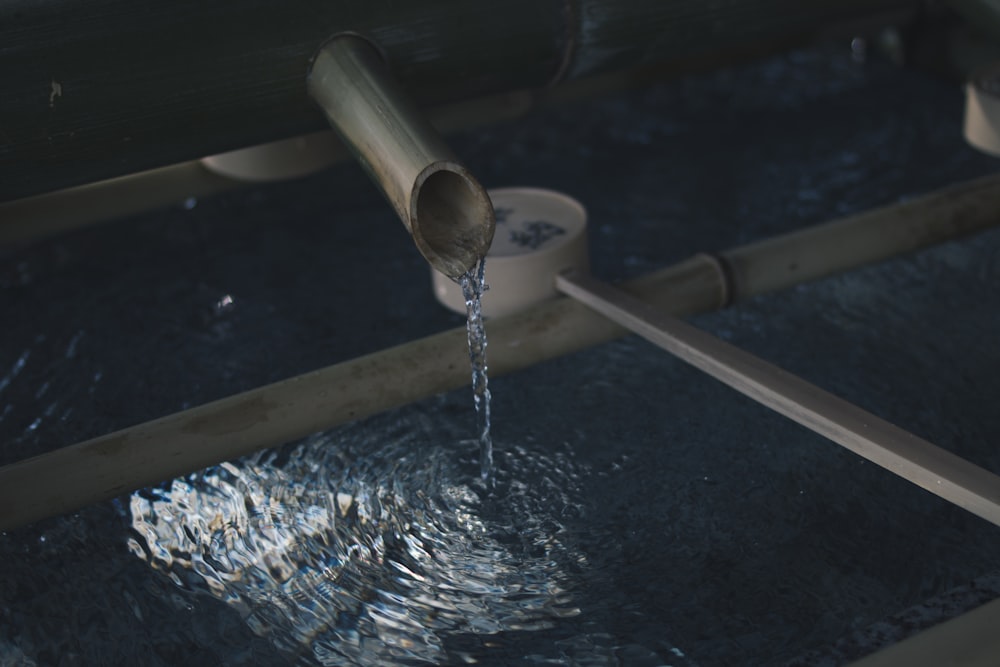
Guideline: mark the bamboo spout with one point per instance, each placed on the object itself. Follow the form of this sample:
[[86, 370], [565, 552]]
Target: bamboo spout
[[445, 209]]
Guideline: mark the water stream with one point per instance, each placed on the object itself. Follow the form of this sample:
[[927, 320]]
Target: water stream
[[473, 285]]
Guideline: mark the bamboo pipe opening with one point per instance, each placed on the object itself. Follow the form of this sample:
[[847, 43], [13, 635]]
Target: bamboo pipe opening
[[447, 212]]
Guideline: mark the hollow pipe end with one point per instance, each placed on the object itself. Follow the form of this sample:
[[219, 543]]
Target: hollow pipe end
[[451, 218], [541, 233]]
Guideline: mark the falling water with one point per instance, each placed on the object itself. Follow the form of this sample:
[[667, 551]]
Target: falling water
[[473, 285]]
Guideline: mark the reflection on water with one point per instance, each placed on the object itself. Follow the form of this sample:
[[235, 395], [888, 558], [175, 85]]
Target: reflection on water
[[359, 552]]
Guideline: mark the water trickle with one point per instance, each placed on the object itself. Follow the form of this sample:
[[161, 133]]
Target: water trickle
[[473, 285]]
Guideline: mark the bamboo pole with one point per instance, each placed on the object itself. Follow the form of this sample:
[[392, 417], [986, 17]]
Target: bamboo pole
[[139, 456], [821, 251], [914, 459], [72, 477], [31, 218], [87, 99], [38, 216], [44, 215], [969, 640], [446, 211]]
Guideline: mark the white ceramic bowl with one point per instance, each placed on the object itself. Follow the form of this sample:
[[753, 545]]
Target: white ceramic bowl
[[982, 111], [539, 233]]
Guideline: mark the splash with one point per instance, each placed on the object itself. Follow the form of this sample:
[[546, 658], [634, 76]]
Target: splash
[[368, 548]]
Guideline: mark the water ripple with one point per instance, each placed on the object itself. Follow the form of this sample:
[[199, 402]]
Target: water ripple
[[341, 551]]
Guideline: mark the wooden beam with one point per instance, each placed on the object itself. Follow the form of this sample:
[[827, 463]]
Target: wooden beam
[[912, 458], [969, 640]]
